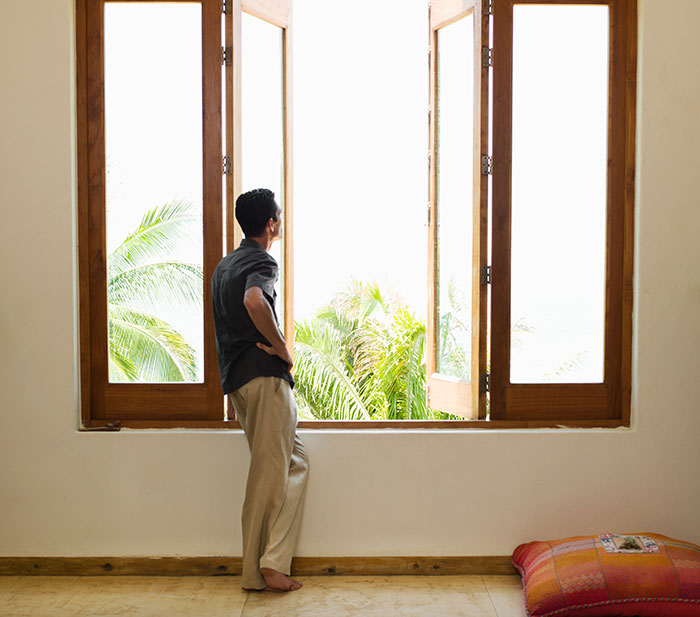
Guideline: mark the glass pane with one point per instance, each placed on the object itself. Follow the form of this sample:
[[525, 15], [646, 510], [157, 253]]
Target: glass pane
[[560, 121], [454, 150], [153, 143], [263, 120]]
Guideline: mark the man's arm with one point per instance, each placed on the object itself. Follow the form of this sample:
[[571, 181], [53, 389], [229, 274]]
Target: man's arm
[[261, 314]]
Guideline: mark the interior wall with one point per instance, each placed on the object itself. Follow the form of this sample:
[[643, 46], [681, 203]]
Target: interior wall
[[179, 492]]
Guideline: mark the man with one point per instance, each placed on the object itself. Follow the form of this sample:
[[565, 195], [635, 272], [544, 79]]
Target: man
[[255, 365]]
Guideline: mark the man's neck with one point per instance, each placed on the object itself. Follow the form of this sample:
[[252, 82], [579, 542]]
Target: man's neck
[[265, 240]]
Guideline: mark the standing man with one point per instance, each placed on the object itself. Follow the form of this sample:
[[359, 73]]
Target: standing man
[[255, 365]]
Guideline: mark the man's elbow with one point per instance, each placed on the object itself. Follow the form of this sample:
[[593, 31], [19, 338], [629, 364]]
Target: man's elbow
[[252, 300]]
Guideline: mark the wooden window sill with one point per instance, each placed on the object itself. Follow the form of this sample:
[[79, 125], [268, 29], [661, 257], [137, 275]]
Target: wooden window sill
[[102, 425]]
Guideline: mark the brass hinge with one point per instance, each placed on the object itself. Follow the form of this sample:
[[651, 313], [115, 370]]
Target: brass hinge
[[115, 425], [226, 165], [226, 56], [485, 383], [226, 7], [488, 7], [486, 165], [486, 56], [485, 275]]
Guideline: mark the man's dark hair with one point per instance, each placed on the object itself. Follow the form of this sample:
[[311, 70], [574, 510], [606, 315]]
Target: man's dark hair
[[254, 209]]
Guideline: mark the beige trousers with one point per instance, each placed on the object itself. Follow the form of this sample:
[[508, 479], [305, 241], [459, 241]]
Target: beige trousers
[[277, 476]]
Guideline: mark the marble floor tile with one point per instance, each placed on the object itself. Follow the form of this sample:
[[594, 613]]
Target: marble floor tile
[[41, 596], [222, 596], [377, 596], [8, 586], [161, 596], [507, 595], [120, 596]]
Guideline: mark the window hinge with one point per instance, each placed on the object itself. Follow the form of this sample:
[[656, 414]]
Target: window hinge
[[226, 7], [115, 425], [485, 275], [486, 56], [488, 7], [429, 156], [226, 165], [226, 56], [486, 165], [485, 383], [429, 209]]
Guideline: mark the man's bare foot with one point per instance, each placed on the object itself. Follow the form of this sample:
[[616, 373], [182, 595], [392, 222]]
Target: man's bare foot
[[276, 581]]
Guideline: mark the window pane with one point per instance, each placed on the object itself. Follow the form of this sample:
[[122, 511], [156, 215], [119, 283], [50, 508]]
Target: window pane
[[153, 143], [559, 158], [263, 120], [454, 150]]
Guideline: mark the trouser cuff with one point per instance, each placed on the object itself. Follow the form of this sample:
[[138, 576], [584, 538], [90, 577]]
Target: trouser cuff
[[275, 565]]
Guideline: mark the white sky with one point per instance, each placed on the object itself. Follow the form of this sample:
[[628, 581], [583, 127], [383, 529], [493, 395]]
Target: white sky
[[360, 153]]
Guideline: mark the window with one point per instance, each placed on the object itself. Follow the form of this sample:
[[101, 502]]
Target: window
[[456, 326], [531, 127], [562, 119], [124, 107], [560, 175]]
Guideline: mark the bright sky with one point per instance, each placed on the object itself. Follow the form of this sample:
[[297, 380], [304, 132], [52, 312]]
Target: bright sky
[[360, 153]]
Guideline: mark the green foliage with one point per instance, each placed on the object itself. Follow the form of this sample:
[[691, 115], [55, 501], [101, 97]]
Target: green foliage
[[141, 277], [362, 357], [453, 332]]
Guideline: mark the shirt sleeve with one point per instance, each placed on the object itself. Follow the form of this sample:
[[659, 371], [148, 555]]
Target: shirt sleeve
[[263, 275]]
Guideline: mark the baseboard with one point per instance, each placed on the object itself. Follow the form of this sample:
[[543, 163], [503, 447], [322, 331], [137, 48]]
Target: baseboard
[[221, 566]]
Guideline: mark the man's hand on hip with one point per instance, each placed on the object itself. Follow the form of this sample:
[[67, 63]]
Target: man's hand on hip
[[282, 353]]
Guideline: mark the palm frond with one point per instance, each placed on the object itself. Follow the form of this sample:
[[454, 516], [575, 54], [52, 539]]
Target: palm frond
[[568, 366], [121, 368], [153, 285], [516, 330], [415, 377], [160, 232], [323, 376], [159, 351]]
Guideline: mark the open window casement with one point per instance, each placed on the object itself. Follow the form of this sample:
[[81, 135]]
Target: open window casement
[[258, 125], [457, 227]]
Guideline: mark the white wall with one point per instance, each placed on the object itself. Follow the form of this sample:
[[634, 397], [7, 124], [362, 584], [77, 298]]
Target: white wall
[[63, 492]]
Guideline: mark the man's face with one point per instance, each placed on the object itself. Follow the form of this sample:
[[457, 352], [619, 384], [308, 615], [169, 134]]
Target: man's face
[[277, 232]]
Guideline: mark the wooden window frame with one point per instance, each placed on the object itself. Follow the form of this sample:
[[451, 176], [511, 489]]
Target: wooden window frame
[[556, 403], [455, 396], [108, 406], [146, 405]]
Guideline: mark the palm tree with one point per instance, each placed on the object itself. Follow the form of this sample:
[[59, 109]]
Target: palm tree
[[362, 357], [141, 278]]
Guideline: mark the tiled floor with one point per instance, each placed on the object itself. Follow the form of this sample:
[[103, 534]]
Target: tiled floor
[[222, 596]]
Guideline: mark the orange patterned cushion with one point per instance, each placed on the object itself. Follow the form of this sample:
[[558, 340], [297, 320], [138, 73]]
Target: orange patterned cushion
[[644, 575]]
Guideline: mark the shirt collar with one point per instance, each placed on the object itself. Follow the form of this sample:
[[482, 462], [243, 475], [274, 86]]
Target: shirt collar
[[252, 244]]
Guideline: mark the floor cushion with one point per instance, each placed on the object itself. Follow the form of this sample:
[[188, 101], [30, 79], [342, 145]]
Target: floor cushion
[[642, 574]]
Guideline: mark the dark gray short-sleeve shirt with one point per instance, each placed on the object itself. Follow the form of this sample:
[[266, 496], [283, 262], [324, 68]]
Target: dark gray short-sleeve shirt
[[250, 265]]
